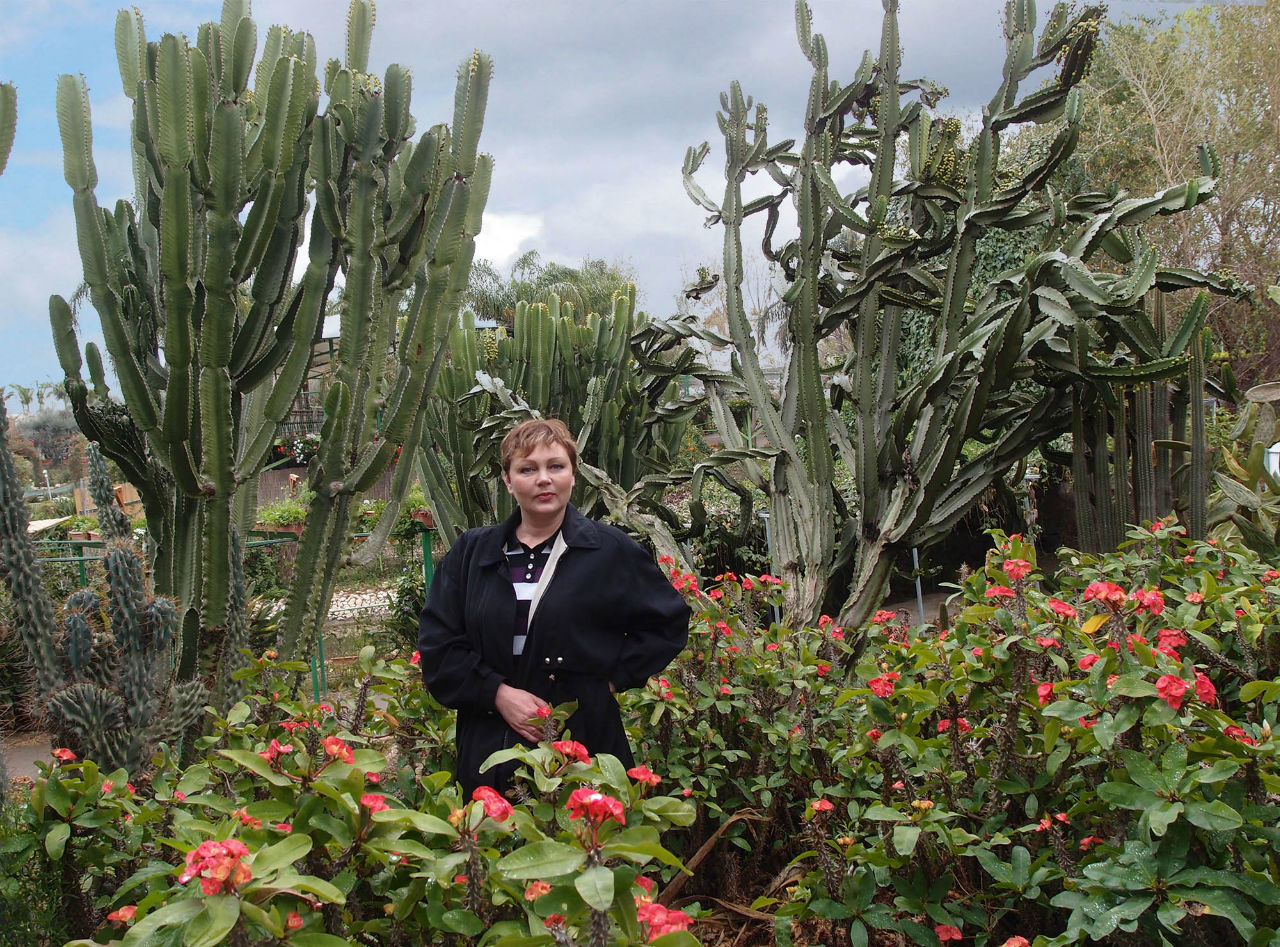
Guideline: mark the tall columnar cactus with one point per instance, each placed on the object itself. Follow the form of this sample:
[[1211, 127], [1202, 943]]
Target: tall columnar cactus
[[613, 379], [112, 521], [1006, 356], [8, 126], [209, 334], [105, 673]]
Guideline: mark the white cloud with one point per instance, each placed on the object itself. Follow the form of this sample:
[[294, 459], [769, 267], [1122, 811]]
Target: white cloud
[[503, 237]]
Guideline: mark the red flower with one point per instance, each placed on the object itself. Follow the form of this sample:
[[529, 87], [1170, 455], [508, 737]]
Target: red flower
[[572, 748], [824, 621], [1016, 941], [1088, 842], [374, 802], [1170, 689], [1062, 608], [1151, 601], [293, 921], [946, 932], [822, 805], [724, 629], [1108, 593], [1206, 693], [665, 560], [883, 617], [64, 754], [1171, 638], [1132, 640], [1088, 661], [1237, 733], [1000, 591], [595, 806], [647, 884], [416, 658], [1087, 722], [179, 796], [874, 735], [962, 725], [771, 646], [107, 786], [747, 585], [554, 920], [715, 594], [1270, 575], [536, 890], [124, 914], [495, 806], [218, 866], [882, 686], [659, 919], [1016, 569], [249, 821], [284, 827], [1048, 642], [1195, 598], [976, 652], [642, 774], [823, 669], [336, 748], [1045, 692]]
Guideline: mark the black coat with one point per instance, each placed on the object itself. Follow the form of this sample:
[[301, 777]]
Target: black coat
[[608, 615]]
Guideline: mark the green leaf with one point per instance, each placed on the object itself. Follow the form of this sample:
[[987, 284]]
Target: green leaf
[[882, 813], [905, 838], [542, 860], [665, 808], [1127, 796], [1215, 816], [56, 841], [427, 824], [57, 797], [676, 939], [596, 887], [858, 934], [280, 855], [1267, 690], [318, 939], [221, 911], [1162, 815], [257, 765], [176, 912], [463, 922]]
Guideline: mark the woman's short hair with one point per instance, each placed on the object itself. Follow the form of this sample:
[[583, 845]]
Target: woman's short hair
[[522, 439]]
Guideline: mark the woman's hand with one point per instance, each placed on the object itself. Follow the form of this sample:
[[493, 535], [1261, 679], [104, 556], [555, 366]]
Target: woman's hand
[[519, 707]]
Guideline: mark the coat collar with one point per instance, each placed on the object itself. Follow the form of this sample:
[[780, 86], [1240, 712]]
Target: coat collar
[[578, 532]]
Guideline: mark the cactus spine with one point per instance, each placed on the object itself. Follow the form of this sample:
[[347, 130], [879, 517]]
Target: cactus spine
[[920, 452], [208, 332]]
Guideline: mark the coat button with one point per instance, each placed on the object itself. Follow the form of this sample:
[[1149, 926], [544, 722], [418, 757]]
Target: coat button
[[546, 660], [559, 660]]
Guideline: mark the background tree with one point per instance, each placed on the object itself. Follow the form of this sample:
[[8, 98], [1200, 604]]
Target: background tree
[[589, 288], [1160, 87]]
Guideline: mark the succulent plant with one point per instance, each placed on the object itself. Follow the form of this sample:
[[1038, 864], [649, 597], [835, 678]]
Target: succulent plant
[[105, 672], [209, 334], [1008, 358]]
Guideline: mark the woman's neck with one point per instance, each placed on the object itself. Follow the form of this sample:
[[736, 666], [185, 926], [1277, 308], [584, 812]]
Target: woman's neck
[[531, 531]]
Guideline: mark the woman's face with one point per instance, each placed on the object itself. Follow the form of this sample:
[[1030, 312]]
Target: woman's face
[[541, 481]]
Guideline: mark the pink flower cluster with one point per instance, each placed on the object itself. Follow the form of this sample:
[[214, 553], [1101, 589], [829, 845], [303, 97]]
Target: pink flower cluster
[[595, 806], [660, 920], [218, 866], [882, 686], [495, 806]]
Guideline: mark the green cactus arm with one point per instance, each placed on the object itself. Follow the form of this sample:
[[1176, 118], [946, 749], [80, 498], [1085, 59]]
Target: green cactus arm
[[469, 102], [8, 121]]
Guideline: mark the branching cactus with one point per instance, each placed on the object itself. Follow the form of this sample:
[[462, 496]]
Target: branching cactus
[[612, 378], [1006, 356], [209, 334], [105, 673], [8, 126]]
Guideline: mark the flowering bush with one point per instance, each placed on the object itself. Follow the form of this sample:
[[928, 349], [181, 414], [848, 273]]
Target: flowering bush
[[1085, 765], [1089, 763], [319, 824]]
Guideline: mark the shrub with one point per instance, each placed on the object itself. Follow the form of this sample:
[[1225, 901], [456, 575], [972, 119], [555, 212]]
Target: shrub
[[1082, 766], [287, 511]]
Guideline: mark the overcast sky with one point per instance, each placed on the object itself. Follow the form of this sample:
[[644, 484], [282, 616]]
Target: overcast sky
[[592, 105]]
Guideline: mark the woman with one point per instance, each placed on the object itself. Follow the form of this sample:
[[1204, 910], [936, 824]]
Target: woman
[[545, 608]]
